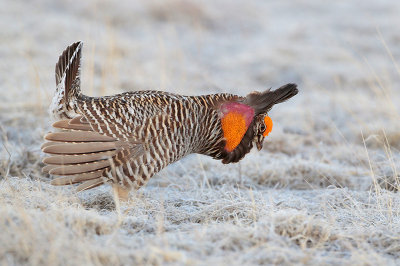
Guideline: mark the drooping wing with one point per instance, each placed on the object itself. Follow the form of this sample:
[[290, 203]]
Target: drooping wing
[[80, 154]]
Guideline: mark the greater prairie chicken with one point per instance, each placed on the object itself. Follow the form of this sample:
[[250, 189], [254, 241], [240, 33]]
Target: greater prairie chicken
[[127, 138]]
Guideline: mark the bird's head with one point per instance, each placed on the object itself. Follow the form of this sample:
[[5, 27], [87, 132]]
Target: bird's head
[[245, 122], [262, 127]]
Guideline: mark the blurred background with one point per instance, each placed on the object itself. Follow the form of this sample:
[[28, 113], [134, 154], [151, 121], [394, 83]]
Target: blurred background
[[322, 190], [342, 54]]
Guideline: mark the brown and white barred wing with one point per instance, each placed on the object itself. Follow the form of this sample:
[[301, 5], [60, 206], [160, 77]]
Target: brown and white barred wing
[[158, 136], [80, 153]]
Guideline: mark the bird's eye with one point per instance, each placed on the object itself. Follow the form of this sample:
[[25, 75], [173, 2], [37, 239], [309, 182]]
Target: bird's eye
[[262, 128]]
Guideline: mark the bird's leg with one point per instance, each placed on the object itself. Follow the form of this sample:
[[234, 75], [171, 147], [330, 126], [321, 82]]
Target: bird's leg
[[121, 193]]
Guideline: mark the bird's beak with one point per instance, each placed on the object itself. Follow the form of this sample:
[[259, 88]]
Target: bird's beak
[[259, 142]]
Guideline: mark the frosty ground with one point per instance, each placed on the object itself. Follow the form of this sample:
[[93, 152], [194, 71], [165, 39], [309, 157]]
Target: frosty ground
[[322, 191]]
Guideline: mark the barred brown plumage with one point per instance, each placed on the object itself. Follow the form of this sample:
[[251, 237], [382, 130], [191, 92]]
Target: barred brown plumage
[[126, 138]]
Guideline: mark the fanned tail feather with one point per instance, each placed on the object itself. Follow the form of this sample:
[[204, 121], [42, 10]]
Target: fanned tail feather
[[67, 82]]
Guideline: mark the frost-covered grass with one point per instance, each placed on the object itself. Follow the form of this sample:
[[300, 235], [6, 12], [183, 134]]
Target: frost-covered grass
[[324, 190]]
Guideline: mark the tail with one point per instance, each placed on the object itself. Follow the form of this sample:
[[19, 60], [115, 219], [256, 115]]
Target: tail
[[262, 102], [68, 82]]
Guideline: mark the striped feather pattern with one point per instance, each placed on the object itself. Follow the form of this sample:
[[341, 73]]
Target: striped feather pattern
[[127, 138]]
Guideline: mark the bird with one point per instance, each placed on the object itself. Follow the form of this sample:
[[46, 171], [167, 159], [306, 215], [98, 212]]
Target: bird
[[125, 139]]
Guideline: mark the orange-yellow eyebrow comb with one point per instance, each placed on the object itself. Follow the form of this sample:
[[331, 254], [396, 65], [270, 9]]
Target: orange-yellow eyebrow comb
[[268, 125]]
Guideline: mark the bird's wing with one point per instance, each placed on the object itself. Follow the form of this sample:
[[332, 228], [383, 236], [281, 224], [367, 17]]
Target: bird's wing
[[79, 153], [98, 136]]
